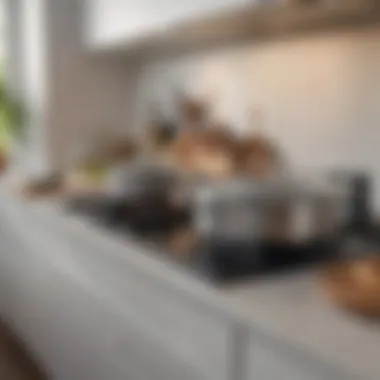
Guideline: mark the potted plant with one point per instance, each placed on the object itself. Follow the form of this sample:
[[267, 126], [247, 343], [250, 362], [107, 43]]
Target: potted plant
[[12, 122]]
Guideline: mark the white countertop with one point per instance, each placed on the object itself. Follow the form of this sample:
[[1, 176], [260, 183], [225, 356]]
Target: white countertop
[[290, 307], [293, 307]]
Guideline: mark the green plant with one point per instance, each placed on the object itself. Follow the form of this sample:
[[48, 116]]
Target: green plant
[[12, 117]]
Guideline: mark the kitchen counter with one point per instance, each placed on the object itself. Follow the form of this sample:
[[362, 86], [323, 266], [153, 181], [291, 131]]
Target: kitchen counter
[[294, 307], [284, 323]]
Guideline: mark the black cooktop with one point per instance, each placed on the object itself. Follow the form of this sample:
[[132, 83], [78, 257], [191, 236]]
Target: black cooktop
[[154, 220]]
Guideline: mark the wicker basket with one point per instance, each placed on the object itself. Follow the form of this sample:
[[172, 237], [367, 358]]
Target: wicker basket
[[355, 286]]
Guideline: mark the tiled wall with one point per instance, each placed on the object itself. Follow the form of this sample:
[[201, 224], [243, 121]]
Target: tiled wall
[[319, 95]]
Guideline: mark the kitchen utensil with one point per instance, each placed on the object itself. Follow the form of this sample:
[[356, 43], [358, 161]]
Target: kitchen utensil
[[233, 209], [141, 178], [193, 114], [258, 158], [45, 186], [120, 150], [210, 152], [358, 188], [213, 155], [182, 242], [276, 210], [161, 130]]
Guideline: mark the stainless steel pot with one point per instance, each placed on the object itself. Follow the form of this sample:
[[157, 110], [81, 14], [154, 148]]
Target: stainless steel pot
[[274, 211], [233, 210], [140, 179]]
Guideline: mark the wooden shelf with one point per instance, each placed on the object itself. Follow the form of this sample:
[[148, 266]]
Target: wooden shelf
[[251, 23]]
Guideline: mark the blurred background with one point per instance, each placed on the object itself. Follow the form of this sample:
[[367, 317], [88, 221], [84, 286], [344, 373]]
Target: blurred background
[[178, 155], [309, 70]]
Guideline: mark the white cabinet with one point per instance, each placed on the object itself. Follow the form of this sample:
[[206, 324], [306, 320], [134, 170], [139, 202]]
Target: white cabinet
[[111, 22], [192, 333], [86, 316], [269, 361], [88, 313], [173, 11], [74, 331]]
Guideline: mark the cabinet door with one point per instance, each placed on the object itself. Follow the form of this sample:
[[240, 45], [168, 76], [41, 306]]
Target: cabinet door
[[41, 303], [267, 361], [7, 248], [124, 21], [111, 21], [72, 328], [191, 330], [177, 11]]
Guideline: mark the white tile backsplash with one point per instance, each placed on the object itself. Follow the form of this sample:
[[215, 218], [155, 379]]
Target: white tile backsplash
[[319, 95]]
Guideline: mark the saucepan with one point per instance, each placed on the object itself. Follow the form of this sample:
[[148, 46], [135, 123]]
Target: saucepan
[[260, 211]]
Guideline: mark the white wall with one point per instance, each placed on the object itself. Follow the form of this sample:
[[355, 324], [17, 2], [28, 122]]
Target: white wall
[[320, 95], [33, 76], [88, 94], [69, 94], [12, 44]]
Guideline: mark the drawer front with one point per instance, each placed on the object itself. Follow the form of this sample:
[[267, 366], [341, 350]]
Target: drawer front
[[269, 360]]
